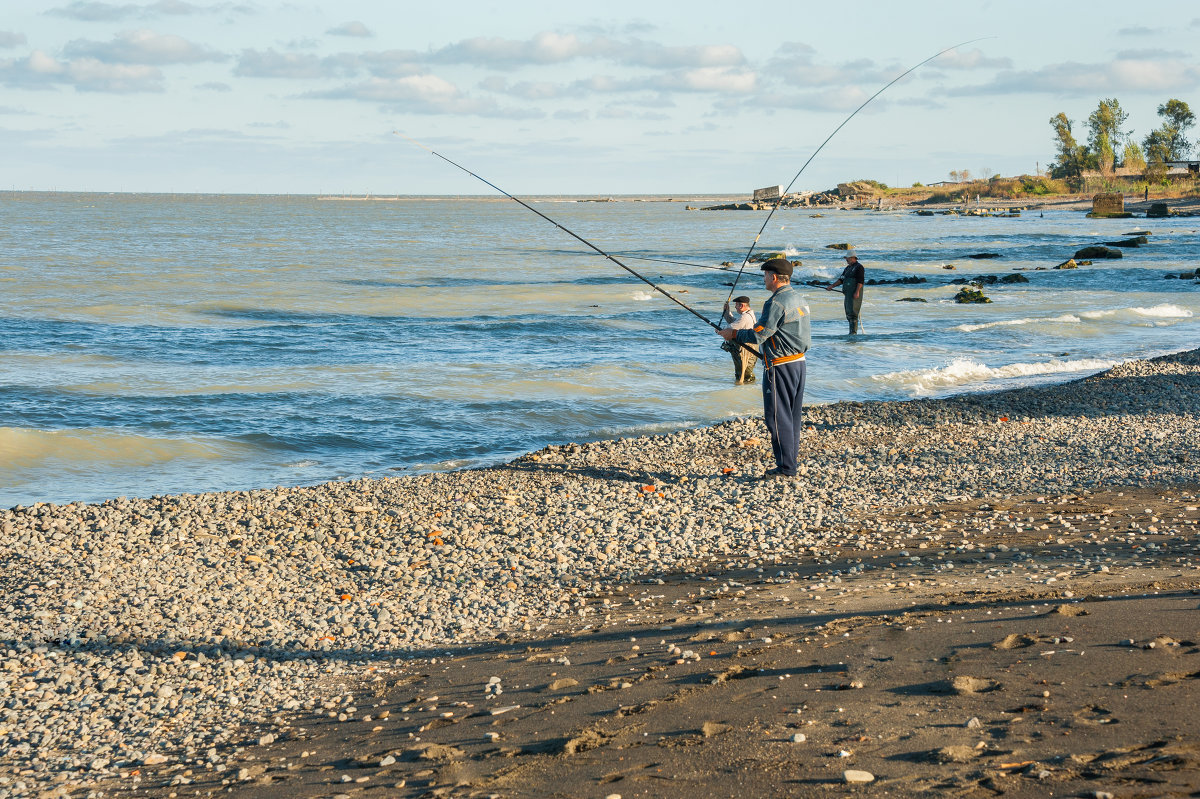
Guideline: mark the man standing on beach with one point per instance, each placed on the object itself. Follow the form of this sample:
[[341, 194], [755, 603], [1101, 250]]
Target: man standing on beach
[[852, 280], [782, 336], [743, 359]]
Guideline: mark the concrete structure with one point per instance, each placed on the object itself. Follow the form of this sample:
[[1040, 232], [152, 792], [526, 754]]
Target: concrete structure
[[1110, 205], [768, 194]]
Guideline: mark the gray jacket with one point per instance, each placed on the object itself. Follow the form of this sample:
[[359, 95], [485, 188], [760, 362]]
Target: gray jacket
[[783, 328]]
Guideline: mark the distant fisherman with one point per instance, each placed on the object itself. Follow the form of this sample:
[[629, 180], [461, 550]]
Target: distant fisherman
[[852, 278], [782, 336], [743, 359]]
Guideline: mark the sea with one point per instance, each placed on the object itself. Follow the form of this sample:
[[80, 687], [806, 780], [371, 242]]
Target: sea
[[157, 344]]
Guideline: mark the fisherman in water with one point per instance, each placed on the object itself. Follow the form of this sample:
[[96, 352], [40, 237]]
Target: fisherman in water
[[852, 279], [743, 359], [782, 336]]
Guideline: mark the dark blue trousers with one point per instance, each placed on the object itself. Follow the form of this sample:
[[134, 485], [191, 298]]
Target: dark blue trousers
[[783, 407]]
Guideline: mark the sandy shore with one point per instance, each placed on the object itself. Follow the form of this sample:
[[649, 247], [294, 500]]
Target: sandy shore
[[985, 594]]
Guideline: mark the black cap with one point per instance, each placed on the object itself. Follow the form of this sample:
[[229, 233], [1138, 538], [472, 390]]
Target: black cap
[[742, 298], [780, 266]]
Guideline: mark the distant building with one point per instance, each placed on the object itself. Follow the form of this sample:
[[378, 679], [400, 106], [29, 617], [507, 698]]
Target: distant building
[[1183, 168]]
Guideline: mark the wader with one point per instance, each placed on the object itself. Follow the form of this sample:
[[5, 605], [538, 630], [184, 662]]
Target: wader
[[743, 363], [852, 305]]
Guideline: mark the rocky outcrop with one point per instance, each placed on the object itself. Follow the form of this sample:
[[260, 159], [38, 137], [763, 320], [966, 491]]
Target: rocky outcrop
[[968, 296], [1137, 241], [1098, 251]]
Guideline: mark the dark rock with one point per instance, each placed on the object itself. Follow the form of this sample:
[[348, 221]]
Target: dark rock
[[967, 296], [924, 213], [1134, 242], [1070, 264], [1014, 278], [948, 266], [1099, 252], [839, 246], [899, 280], [1169, 276], [763, 257], [1157, 211], [912, 299], [985, 255], [1137, 233]]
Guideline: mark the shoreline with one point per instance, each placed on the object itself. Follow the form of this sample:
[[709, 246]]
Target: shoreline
[[191, 638]]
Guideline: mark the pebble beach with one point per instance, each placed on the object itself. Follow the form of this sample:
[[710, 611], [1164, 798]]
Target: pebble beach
[[171, 645]]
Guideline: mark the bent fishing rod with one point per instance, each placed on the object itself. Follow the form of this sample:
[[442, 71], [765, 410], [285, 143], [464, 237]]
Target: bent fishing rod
[[570, 233], [846, 121]]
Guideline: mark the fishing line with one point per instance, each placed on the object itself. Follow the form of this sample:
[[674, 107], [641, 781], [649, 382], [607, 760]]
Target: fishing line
[[571, 233], [783, 194]]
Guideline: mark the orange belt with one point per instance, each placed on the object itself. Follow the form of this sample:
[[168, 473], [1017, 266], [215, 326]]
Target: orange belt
[[799, 356]]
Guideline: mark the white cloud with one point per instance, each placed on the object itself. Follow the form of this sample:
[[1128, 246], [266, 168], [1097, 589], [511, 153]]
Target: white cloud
[[555, 48], [544, 48], [114, 12], [650, 54], [1099, 79], [294, 66], [718, 80], [354, 28], [142, 47], [39, 70], [422, 94]]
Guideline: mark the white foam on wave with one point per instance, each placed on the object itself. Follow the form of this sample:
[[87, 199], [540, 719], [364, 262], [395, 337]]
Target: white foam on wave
[[1064, 319], [1164, 311], [965, 371], [643, 296]]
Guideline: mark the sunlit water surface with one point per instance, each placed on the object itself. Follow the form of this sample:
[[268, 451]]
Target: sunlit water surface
[[154, 344]]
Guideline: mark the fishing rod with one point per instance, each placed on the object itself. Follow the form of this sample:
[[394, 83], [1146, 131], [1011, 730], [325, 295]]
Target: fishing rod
[[783, 194], [681, 263], [570, 233]]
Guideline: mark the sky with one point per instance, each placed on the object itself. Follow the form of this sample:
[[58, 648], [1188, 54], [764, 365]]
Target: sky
[[604, 98]]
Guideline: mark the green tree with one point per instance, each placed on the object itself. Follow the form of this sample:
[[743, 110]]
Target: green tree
[[1071, 158], [1169, 142], [1133, 157], [1106, 133]]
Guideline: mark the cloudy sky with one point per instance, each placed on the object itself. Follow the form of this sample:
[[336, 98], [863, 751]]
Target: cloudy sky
[[612, 98]]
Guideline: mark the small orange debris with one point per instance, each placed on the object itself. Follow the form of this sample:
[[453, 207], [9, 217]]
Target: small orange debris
[[1004, 418], [329, 638], [728, 470], [648, 489], [346, 597], [438, 515], [437, 542], [434, 534], [713, 653]]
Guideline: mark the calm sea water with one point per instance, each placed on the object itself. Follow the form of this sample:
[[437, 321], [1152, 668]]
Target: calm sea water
[[154, 344]]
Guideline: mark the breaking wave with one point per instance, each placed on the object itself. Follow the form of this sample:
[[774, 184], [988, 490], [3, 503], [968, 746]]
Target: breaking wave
[[965, 371]]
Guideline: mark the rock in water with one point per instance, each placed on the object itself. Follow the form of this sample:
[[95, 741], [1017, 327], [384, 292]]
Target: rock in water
[[1098, 251]]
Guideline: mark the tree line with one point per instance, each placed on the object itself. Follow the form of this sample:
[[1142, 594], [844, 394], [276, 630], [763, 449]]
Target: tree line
[[1109, 145]]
